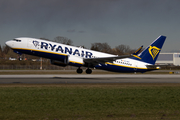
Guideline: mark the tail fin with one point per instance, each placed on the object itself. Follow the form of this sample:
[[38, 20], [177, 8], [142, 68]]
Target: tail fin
[[151, 53]]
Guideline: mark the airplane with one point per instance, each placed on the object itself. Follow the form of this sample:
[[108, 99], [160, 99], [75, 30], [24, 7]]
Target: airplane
[[63, 55]]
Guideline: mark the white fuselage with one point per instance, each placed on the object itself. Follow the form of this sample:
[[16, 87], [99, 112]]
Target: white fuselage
[[76, 55]]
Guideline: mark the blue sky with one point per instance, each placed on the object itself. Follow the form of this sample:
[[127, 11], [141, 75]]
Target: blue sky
[[129, 22]]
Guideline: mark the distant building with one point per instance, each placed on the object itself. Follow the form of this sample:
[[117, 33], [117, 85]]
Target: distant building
[[12, 58], [169, 59]]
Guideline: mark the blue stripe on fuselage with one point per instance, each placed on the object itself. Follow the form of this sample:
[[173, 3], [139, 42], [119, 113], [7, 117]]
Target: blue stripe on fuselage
[[123, 69], [59, 57], [42, 54]]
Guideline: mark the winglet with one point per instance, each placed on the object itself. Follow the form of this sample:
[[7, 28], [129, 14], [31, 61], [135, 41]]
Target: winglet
[[138, 50]]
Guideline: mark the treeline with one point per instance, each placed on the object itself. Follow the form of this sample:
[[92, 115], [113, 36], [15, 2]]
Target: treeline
[[6, 52], [102, 47]]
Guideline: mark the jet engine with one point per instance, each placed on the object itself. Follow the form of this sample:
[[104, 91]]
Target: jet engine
[[64, 62]]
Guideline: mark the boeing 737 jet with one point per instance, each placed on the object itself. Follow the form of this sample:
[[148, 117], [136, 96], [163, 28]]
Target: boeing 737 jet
[[63, 55]]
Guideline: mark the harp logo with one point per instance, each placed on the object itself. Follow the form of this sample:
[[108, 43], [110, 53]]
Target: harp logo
[[36, 43], [153, 51]]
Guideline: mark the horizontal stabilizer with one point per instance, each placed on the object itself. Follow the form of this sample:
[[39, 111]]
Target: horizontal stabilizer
[[154, 67]]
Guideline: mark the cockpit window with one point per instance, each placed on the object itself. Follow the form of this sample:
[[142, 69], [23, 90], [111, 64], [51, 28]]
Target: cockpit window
[[17, 40]]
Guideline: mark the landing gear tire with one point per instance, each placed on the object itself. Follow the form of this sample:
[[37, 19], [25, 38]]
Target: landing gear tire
[[88, 71], [79, 70], [20, 58]]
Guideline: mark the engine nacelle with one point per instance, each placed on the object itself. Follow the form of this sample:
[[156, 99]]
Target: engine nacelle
[[62, 63], [73, 60]]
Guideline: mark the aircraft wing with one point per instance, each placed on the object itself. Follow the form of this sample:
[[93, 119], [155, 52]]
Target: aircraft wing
[[102, 60], [95, 61]]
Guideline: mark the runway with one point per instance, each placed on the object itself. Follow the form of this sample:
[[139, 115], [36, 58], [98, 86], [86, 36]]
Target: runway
[[100, 78]]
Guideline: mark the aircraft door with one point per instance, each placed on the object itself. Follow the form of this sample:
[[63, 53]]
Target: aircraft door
[[29, 43]]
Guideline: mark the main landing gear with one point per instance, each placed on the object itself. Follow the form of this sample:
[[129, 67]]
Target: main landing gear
[[88, 71], [79, 70]]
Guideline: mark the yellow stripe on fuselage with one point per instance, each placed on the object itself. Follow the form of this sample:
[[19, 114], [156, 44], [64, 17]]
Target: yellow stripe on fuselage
[[41, 51], [49, 52], [76, 62], [125, 66]]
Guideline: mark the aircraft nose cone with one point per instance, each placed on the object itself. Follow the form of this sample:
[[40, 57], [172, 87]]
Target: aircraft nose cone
[[8, 43]]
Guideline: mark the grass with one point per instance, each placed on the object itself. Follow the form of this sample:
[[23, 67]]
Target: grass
[[94, 101]]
